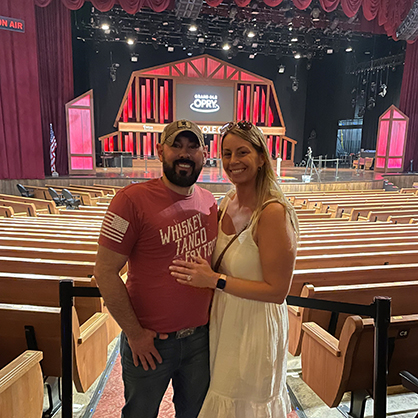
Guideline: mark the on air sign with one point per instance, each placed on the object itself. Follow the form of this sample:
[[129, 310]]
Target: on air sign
[[205, 103], [10, 23]]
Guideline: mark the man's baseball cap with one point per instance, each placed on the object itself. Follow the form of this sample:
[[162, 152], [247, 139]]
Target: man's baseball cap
[[178, 126]]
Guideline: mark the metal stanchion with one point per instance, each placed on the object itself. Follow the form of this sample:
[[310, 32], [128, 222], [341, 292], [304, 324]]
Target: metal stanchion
[[336, 169], [381, 321], [220, 176], [66, 301]]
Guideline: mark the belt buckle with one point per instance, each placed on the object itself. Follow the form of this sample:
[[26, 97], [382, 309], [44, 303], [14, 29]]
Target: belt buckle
[[186, 332]]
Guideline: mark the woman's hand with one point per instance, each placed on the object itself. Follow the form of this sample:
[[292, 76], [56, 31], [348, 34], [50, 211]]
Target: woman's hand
[[197, 274]]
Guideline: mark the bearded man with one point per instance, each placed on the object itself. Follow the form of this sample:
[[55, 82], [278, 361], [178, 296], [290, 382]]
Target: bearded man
[[164, 324]]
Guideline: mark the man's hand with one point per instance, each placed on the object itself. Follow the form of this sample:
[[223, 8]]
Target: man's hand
[[143, 348]]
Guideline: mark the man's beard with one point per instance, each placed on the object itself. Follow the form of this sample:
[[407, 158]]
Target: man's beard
[[182, 179]]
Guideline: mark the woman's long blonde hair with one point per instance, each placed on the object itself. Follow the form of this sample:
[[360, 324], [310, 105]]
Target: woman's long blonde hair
[[266, 182]]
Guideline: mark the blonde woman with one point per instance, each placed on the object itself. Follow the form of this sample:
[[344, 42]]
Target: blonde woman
[[253, 261]]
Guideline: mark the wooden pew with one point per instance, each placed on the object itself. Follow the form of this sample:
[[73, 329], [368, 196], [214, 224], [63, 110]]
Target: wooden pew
[[22, 233], [356, 259], [362, 212], [20, 208], [352, 275], [40, 192], [89, 339], [356, 239], [332, 366], [356, 248], [41, 205], [48, 243], [43, 290], [6, 211], [403, 295], [46, 266], [374, 216], [402, 219], [48, 253], [22, 386], [85, 197], [107, 191]]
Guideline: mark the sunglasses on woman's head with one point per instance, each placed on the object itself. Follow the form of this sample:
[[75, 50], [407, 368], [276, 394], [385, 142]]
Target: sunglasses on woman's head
[[243, 124]]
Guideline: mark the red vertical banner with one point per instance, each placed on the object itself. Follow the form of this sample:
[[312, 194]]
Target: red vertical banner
[[239, 105], [130, 112], [131, 142], [248, 103], [111, 144], [148, 90], [263, 106], [161, 101], [270, 145], [215, 145], [125, 112], [256, 110], [271, 117], [166, 99], [284, 156], [143, 107], [148, 144], [106, 144], [278, 139], [211, 154]]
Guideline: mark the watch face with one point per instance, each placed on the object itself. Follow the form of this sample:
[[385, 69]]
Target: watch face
[[221, 283]]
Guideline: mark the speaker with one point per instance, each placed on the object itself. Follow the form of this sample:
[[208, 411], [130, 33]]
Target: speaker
[[188, 8], [408, 29]]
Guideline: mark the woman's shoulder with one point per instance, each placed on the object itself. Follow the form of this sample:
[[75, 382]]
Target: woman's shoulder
[[272, 209]]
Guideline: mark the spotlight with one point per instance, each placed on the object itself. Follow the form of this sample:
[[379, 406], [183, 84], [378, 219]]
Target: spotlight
[[252, 56], [295, 85], [383, 90], [130, 41], [294, 39], [134, 57], [349, 49], [193, 27], [226, 47], [298, 55], [251, 34], [233, 11], [170, 49], [330, 51], [105, 27], [281, 69]]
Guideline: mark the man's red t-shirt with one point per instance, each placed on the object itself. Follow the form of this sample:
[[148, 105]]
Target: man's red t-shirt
[[153, 225]]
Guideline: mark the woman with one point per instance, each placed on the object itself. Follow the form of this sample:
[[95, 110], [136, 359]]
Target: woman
[[249, 325]]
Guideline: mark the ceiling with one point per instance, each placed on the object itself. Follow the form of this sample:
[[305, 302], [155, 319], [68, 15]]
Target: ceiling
[[280, 31]]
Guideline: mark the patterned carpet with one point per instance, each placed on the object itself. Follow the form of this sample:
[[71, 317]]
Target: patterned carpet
[[111, 401]]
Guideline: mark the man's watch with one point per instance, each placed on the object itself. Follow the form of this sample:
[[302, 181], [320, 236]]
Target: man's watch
[[221, 283]]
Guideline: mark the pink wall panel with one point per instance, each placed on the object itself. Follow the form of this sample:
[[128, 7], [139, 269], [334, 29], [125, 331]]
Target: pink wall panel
[[85, 101], [382, 140], [380, 162], [80, 131], [394, 162], [82, 163], [397, 139]]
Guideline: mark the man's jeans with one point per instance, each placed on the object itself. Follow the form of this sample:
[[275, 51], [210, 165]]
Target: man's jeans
[[185, 361]]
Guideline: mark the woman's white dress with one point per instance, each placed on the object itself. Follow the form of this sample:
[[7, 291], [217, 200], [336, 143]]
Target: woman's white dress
[[248, 342]]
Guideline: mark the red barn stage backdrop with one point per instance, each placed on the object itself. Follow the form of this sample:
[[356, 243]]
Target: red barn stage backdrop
[[204, 89]]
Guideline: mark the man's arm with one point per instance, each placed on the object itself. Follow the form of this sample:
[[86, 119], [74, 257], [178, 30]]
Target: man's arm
[[113, 289]]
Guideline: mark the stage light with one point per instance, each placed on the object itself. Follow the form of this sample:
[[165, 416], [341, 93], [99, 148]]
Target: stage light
[[281, 69], [330, 51], [316, 12], [134, 57], [105, 27], [192, 28], [130, 41], [190, 54], [349, 49], [226, 47], [201, 40], [251, 34], [170, 49], [294, 39], [252, 56], [298, 55]]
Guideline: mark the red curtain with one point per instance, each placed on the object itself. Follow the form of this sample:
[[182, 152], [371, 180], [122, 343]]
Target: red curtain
[[55, 78], [20, 117], [409, 103]]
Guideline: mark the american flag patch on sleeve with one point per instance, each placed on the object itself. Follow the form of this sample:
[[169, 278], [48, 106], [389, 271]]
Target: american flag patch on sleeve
[[114, 227]]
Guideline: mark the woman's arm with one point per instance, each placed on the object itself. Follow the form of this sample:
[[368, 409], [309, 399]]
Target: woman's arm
[[277, 245]]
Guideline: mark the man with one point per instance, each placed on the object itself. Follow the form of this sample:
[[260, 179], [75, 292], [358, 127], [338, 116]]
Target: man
[[149, 224]]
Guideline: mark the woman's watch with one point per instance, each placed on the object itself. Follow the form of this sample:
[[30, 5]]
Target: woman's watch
[[221, 283]]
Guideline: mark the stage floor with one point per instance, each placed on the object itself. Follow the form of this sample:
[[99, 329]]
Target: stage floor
[[152, 168]]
